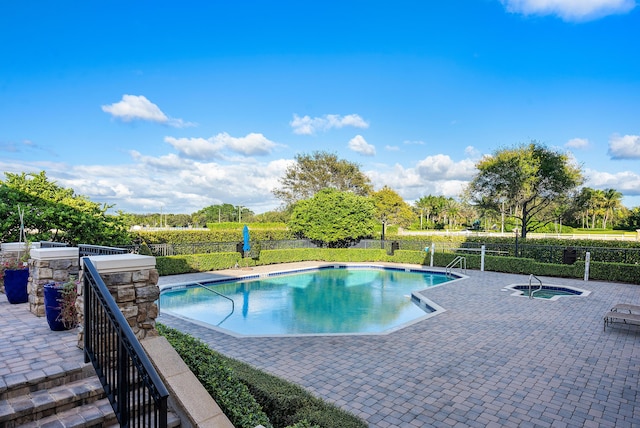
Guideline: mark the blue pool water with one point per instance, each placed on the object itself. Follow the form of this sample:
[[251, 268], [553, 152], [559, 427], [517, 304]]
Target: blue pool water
[[323, 301]]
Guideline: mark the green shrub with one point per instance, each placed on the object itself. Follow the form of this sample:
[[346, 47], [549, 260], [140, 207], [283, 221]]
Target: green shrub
[[268, 257], [271, 401], [188, 263], [218, 379], [288, 404], [217, 235], [614, 272]]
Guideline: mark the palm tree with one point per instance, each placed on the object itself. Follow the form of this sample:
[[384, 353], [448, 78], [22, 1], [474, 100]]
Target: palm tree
[[612, 203]]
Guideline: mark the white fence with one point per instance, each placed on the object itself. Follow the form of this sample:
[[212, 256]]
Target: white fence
[[594, 236]]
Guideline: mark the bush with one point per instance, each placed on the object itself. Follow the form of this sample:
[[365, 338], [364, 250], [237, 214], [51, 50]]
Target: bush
[[218, 379], [271, 401], [286, 403], [188, 263], [216, 235]]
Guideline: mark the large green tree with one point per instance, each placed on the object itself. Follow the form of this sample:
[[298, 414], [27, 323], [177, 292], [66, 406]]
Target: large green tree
[[392, 209], [529, 178], [320, 170], [632, 220], [333, 218], [54, 213], [222, 213]]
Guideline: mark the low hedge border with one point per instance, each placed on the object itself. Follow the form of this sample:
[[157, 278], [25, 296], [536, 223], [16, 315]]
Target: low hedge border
[[250, 397], [614, 272], [218, 379]]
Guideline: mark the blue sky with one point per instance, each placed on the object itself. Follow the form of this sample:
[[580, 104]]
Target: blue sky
[[157, 105]]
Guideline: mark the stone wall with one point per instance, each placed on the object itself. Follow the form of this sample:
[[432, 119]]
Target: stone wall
[[136, 293], [132, 281], [49, 265]]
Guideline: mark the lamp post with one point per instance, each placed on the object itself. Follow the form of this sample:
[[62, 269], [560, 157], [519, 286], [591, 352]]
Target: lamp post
[[515, 229]]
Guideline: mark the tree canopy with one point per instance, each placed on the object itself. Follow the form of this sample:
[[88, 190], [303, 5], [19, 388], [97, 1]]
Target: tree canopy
[[333, 218], [54, 213], [391, 208], [528, 178], [320, 170]]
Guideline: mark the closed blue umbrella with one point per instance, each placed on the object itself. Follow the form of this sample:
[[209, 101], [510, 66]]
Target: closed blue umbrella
[[247, 246]]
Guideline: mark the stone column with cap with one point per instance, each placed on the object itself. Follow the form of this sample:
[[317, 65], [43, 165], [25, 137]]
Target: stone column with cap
[[46, 265], [132, 280]]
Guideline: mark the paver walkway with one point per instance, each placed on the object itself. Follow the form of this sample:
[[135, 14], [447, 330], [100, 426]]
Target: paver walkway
[[491, 359], [29, 349]]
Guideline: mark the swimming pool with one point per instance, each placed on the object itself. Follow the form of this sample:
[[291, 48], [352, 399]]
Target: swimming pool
[[326, 300]]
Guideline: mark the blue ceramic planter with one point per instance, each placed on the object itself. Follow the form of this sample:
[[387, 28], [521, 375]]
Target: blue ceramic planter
[[15, 285], [52, 297]]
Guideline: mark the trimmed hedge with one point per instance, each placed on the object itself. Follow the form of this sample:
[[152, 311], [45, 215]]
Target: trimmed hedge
[[218, 379], [287, 403], [616, 272], [271, 401], [226, 235], [189, 263], [562, 242]]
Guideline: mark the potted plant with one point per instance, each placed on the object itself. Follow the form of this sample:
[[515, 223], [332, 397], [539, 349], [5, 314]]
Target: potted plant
[[15, 274], [60, 304]]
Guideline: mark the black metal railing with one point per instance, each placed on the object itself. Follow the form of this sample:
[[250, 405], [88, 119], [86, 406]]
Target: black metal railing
[[134, 388], [99, 250], [51, 244]]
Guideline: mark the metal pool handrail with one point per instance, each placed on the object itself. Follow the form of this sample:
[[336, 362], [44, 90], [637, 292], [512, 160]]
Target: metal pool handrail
[[233, 305], [460, 260], [530, 280]]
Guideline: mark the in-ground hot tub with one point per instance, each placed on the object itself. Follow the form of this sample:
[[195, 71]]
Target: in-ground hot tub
[[546, 291]]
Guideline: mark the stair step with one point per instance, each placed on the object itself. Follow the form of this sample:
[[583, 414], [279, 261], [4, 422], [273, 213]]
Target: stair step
[[23, 385], [97, 413], [42, 403]]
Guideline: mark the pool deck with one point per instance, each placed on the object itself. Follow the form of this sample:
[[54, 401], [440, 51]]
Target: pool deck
[[490, 359]]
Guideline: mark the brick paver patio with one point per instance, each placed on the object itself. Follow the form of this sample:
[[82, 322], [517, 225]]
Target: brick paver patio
[[491, 359]]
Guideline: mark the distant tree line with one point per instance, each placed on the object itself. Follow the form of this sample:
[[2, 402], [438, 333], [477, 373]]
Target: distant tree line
[[524, 188]]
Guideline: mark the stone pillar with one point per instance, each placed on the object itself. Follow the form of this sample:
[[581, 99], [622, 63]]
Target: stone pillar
[[57, 264], [132, 280], [11, 252]]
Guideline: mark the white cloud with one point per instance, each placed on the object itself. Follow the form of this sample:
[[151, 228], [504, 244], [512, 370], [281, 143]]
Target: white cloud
[[307, 125], [472, 152], [253, 144], [577, 143], [441, 167], [359, 145], [626, 147], [195, 148], [434, 175], [570, 10], [392, 148], [178, 185], [166, 162], [138, 107], [627, 182]]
